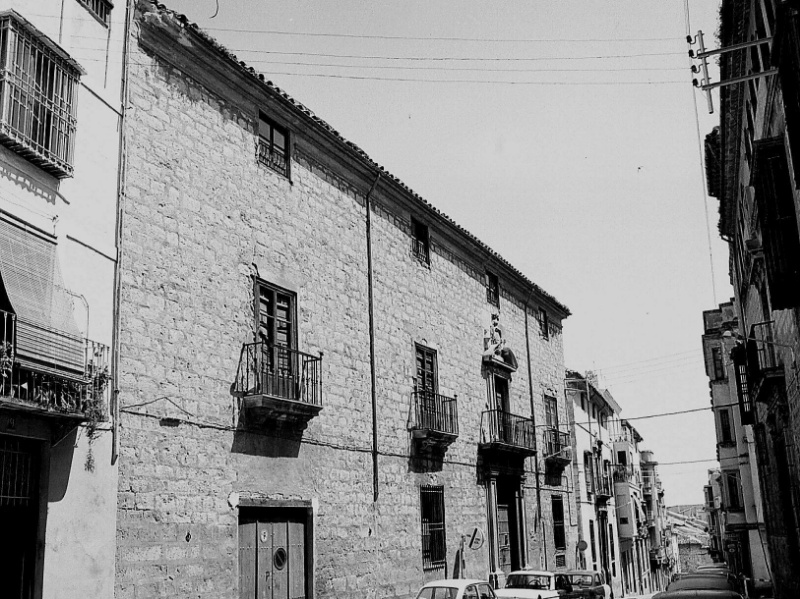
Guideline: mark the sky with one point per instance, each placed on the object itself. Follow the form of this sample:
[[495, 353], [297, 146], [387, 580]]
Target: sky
[[562, 134]]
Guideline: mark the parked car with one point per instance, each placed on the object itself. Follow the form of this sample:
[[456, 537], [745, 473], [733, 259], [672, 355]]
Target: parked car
[[588, 583], [698, 594], [704, 582], [533, 584], [456, 588]]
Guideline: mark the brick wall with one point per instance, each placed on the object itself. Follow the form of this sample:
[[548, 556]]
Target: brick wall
[[201, 217]]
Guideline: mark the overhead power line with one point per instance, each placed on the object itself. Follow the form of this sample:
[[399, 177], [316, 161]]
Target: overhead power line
[[444, 38]]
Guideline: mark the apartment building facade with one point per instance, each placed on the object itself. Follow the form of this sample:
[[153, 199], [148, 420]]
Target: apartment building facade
[[753, 166], [739, 515], [59, 166], [658, 536], [631, 521], [327, 387], [593, 463]]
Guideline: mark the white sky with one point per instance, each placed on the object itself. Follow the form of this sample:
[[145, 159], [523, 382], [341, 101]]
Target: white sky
[[594, 190]]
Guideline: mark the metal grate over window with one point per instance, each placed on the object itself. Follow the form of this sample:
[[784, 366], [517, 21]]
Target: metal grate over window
[[17, 473], [37, 97], [434, 542]]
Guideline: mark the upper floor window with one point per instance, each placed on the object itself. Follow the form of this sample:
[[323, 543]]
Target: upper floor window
[[38, 88], [725, 426], [427, 379], [733, 488], [551, 411], [493, 289], [421, 242], [100, 9], [717, 364], [276, 314], [273, 146], [544, 324]]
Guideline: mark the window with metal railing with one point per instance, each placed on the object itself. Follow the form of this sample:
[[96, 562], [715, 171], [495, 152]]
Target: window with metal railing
[[434, 539], [38, 88], [100, 9], [420, 242], [273, 146]]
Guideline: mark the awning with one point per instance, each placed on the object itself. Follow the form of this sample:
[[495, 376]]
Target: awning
[[31, 278]]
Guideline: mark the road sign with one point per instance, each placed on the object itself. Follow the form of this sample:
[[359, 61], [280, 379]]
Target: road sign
[[476, 539]]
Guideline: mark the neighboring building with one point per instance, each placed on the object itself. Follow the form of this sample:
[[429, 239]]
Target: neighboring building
[[59, 165], [753, 167], [327, 387], [631, 523], [741, 519], [655, 521], [689, 528], [713, 507], [594, 412]]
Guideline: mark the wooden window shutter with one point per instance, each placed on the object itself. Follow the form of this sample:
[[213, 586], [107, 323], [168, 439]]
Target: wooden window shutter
[[778, 220]]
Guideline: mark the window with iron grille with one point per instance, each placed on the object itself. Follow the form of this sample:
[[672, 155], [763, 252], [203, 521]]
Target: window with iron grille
[[559, 531], [717, 364], [493, 289], [100, 9], [561, 561], [592, 542], [434, 542], [273, 146], [739, 359], [38, 88], [420, 242]]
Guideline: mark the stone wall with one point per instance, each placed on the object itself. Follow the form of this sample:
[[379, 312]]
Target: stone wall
[[201, 218]]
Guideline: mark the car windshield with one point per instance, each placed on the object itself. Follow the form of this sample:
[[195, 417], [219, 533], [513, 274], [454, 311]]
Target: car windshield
[[583, 580], [528, 581], [438, 593]]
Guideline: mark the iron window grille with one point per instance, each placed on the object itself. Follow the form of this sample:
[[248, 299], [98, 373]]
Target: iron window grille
[[38, 90], [420, 242], [493, 289], [559, 532], [434, 541], [100, 9], [273, 146], [739, 359]]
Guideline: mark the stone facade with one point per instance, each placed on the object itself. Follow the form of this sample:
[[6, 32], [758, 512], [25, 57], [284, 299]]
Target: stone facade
[[202, 219], [753, 169]]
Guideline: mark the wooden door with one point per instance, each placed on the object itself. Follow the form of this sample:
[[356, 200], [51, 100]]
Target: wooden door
[[272, 556]]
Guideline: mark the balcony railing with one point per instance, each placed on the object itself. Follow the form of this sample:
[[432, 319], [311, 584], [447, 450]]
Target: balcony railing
[[77, 389], [622, 473], [435, 413], [556, 443], [508, 431], [762, 359], [603, 488], [279, 372]]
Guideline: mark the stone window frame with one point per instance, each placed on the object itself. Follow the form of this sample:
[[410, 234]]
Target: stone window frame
[[274, 146]]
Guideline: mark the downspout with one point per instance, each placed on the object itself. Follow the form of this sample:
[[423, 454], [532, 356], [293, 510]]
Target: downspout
[[535, 436], [373, 374], [121, 172]]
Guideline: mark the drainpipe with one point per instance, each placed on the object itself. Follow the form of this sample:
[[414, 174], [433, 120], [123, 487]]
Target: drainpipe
[[121, 172], [373, 374], [535, 438]]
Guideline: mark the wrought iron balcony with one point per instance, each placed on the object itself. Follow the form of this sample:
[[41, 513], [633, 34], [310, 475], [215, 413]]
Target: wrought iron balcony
[[279, 383], [623, 473], [763, 365], [603, 489], [436, 418], [557, 448], [508, 432], [74, 388]]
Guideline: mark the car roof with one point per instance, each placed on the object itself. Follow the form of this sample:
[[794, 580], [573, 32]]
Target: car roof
[[697, 594], [581, 572], [534, 572], [702, 582], [453, 582]]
